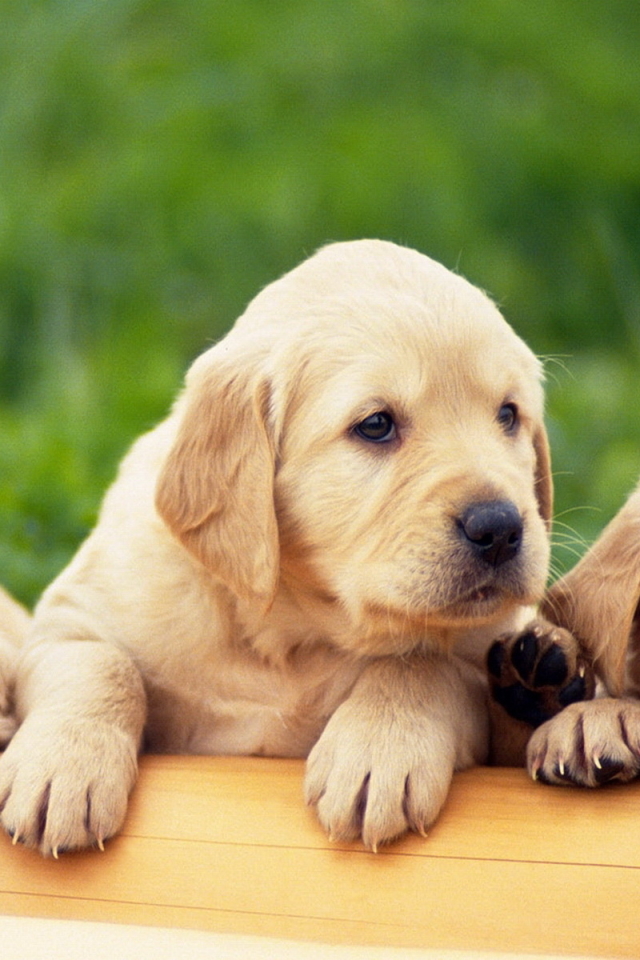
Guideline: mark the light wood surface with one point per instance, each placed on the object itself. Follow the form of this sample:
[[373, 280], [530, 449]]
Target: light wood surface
[[227, 845]]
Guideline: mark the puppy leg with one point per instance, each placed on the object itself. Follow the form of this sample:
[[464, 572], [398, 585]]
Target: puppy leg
[[533, 675], [66, 774], [8, 661], [384, 762], [14, 624], [599, 600]]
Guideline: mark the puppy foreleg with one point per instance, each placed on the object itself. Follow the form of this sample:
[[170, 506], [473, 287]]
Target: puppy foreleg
[[599, 601], [384, 762], [14, 624], [66, 775]]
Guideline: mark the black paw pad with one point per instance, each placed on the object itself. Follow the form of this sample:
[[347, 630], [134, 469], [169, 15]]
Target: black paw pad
[[574, 692], [524, 655], [495, 659], [607, 769], [522, 704], [552, 668], [535, 674]]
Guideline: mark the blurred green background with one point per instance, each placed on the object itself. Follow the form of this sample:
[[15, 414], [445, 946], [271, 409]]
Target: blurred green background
[[161, 161]]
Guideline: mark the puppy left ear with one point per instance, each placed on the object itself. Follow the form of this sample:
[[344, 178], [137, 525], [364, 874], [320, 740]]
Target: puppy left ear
[[543, 478], [215, 490]]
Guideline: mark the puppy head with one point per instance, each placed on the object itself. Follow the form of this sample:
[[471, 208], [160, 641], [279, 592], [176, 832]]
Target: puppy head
[[343, 437]]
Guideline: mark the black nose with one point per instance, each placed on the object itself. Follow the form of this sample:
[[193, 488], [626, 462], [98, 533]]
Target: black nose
[[494, 529]]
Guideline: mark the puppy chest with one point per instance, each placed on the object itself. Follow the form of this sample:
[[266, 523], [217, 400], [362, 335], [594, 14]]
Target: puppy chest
[[234, 710]]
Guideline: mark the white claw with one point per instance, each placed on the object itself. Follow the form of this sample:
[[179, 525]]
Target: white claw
[[561, 767], [596, 761], [54, 853], [582, 671]]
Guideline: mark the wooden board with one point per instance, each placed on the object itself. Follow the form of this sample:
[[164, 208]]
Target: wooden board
[[227, 845]]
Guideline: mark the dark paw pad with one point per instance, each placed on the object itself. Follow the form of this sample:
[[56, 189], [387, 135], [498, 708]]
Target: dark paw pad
[[552, 668], [608, 769], [535, 674], [522, 704]]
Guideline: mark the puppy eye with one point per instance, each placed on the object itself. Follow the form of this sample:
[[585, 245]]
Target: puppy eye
[[378, 428], [508, 417]]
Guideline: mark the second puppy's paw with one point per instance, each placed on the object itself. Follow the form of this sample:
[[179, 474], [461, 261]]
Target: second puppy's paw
[[588, 744], [535, 674]]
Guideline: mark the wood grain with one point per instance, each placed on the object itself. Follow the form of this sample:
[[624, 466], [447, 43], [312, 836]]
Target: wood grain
[[226, 844]]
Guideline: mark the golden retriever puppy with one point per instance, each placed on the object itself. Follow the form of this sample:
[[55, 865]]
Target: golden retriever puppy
[[310, 556], [593, 624]]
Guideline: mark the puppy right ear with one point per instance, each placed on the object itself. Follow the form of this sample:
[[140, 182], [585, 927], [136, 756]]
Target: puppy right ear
[[215, 490], [543, 476]]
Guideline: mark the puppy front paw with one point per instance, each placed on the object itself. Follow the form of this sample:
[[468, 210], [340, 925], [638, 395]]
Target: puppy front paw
[[588, 744], [375, 785], [65, 786], [535, 674]]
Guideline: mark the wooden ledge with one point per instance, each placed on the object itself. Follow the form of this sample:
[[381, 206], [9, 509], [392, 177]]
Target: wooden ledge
[[227, 845]]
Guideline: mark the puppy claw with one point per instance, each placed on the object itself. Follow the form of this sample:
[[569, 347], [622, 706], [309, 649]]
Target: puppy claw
[[596, 761], [609, 770], [15, 839]]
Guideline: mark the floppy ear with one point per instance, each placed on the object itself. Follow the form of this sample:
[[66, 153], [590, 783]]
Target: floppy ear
[[215, 490], [543, 478]]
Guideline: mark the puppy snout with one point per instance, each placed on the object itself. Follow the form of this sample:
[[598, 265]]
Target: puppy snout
[[493, 530]]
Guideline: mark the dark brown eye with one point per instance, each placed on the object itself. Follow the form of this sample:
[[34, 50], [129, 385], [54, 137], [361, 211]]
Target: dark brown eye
[[378, 428], [508, 417]]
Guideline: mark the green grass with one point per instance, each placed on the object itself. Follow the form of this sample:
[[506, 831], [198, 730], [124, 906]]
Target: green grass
[[161, 161]]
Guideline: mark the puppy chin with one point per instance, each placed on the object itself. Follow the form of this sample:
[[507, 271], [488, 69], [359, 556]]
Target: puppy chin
[[481, 607], [393, 626], [378, 630], [489, 601]]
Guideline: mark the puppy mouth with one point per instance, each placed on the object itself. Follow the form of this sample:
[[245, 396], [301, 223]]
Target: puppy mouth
[[488, 594], [483, 595], [479, 603]]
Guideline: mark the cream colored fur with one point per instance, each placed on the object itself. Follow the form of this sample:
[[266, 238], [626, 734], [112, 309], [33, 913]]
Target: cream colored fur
[[599, 602], [263, 580], [14, 624]]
